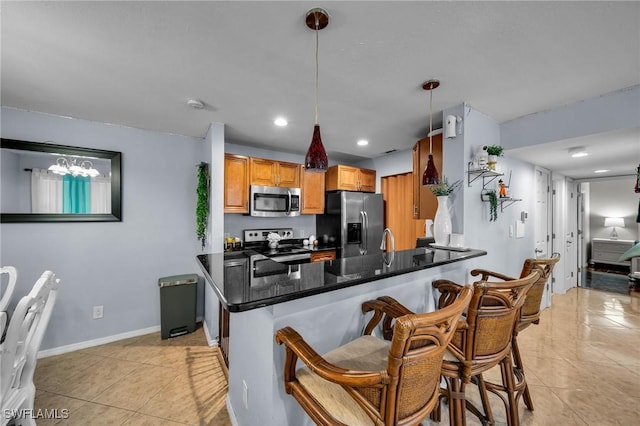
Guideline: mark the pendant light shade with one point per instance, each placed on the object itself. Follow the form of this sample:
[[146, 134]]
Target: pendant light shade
[[430, 175], [316, 159]]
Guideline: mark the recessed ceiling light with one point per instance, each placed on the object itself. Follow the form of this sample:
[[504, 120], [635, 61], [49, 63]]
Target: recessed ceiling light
[[363, 142], [280, 122], [578, 151], [600, 171], [195, 103]]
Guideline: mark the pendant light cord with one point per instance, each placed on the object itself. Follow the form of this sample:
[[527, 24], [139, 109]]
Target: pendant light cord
[[430, 120], [317, 27]]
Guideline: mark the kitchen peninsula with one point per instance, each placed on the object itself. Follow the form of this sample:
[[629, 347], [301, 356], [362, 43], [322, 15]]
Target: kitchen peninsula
[[320, 300]]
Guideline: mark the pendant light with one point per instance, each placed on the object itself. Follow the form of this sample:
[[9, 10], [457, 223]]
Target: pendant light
[[316, 158], [430, 175]]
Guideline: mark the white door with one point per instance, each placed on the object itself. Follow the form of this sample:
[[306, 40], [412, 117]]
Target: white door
[[543, 223], [572, 241]]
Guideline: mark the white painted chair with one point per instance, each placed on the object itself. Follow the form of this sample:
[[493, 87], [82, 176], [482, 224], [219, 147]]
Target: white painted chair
[[6, 296], [19, 350]]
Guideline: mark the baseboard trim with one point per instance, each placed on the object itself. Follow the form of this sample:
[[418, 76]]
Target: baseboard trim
[[96, 342], [211, 341], [232, 414]]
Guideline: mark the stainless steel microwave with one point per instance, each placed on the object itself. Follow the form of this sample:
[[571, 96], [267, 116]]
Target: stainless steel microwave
[[273, 201]]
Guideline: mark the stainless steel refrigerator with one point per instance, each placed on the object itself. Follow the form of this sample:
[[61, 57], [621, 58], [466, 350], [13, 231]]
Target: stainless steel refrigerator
[[353, 221]]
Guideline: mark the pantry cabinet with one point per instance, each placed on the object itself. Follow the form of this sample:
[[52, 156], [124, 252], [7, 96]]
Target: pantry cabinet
[[236, 183], [348, 178], [274, 173]]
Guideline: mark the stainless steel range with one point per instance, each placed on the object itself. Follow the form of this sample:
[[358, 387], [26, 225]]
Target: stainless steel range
[[288, 249]]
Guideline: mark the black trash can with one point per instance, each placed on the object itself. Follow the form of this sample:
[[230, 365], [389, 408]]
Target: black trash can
[[177, 305]]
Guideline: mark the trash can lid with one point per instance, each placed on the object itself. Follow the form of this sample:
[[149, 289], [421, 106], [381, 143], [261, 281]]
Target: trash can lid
[[178, 280]]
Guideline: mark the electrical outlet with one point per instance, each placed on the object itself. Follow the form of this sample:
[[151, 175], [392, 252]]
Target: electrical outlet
[[98, 312], [510, 231], [245, 394]]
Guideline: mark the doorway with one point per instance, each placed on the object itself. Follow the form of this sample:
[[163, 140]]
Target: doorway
[[397, 192]]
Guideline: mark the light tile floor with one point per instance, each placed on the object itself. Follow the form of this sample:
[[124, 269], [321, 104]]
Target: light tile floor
[[139, 381], [582, 363]]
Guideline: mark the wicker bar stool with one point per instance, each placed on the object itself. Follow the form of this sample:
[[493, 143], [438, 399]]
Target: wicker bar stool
[[482, 341], [369, 381], [529, 314]]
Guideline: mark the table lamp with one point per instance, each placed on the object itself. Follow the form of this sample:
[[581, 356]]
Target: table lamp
[[613, 222]]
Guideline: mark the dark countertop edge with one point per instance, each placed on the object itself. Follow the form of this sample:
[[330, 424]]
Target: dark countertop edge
[[246, 306]]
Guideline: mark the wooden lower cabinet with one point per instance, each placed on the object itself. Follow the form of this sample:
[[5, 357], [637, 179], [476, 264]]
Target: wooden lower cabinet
[[323, 256], [223, 324]]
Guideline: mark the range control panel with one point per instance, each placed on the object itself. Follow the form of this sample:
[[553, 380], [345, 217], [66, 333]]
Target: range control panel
[[257, 235]]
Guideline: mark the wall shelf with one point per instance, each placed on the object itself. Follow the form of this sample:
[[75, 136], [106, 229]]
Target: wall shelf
[[503, 201], [487, 176]]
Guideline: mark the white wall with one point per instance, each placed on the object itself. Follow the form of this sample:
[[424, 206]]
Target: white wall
[[114, 264]]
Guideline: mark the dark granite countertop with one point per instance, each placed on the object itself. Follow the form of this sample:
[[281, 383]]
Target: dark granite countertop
[[248, 280]]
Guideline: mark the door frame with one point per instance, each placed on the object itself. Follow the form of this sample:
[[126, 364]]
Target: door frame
[[544, 233]]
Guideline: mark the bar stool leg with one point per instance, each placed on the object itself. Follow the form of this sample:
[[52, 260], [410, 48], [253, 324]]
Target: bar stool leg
[[518, 370]]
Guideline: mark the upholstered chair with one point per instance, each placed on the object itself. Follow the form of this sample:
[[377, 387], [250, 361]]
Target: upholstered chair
[[370, 381]]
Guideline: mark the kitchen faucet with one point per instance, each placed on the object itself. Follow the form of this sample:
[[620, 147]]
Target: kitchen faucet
[[383, 244]]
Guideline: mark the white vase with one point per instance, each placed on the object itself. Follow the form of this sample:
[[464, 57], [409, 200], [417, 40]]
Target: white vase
[[493, 160], [442, 222]]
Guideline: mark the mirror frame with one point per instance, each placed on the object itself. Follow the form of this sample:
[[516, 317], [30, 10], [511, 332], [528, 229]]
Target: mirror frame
[[116, 183]]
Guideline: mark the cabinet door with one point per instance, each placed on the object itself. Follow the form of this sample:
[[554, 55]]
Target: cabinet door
[[288, 175], [426, 202], [312, 193], [263, 172], [341, 178], [236, 184], [367, 180], [323, 256]]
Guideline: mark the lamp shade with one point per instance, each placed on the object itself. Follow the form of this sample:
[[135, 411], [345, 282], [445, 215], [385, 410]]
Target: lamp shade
[[316, 158], [614, 221]]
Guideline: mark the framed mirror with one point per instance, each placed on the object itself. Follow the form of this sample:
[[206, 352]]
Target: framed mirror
[[42, 182]]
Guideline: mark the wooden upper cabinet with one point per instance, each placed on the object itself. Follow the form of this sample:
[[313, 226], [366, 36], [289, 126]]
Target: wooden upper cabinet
[[350, 178], [425, 203], [236, 184], [367, 180], [312, 192], [289, 175], [274, 173]]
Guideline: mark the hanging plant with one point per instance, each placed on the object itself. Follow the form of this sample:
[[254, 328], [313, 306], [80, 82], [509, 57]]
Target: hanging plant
[[202, 205], [493, 205]]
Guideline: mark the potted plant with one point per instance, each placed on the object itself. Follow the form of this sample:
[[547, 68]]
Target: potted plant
[[202, 205], [493, 205], [494, 151], [443, 188]]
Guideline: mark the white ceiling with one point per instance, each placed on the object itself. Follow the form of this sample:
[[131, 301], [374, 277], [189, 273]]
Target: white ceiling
[[136, 64]]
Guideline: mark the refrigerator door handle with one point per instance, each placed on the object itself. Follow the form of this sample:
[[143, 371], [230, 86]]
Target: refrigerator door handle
[[363, 239], [366, 232]]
